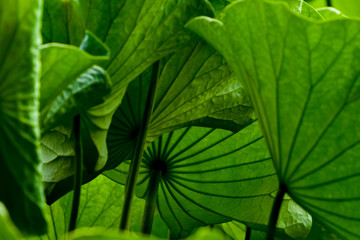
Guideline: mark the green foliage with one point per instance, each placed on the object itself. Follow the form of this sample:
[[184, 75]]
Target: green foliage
[[312, 135], [201, 181], [19, 103], [7, 228], [227, 138]]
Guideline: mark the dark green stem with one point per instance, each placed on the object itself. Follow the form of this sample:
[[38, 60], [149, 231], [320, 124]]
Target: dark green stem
[[150, 204], [138, 153], [275, 212], [328, 2], [53, 223], [248, 233], [78, 174]]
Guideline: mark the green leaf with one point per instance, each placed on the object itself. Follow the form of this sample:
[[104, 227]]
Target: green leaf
[[331, 13], [207, 234], [70, 86], [303, 78], [63, 22], [88, 90], [19, 123], [293, 223], [137, 34], [295, 5], [218, 6], [195, 87], [208, 176], [100, 206], [62, 65], [321, 233], [101, 234], [310, 12], [350, 8], [8, 230]]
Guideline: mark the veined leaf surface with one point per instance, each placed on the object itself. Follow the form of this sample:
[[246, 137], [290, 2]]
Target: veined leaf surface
[[137, 35], [208, 176], [195, 87], [100, 206], [62, 66], [303, 79], [19, 119], [71, 84]]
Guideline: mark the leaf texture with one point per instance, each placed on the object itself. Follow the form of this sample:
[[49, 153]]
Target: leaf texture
[[208, 176], [137, 34], [303, 79], [100, 206], [19, 119], [195, 87]]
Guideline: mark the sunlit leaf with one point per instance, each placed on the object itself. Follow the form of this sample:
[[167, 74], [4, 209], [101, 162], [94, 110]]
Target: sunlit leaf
[[329, 13], [310, 12], [303, 78]]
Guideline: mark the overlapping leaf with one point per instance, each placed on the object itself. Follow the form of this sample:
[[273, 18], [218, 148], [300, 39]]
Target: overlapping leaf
[[100, 206], [303, 78], [208, 176], [195, 87], [70, 84], [137, 35], [61, 78], [7, 229], [19, 123]]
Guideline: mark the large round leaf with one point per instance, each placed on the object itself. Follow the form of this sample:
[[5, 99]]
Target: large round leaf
[[303, 78], [208, 176]]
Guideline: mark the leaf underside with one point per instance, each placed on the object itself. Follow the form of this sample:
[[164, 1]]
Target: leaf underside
[[208, 176], [303, 79], [137, 35]]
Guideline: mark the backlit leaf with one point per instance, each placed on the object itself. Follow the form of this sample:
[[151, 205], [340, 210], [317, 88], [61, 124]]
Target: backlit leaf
[[195, 87], [208, 176], [303, 79]]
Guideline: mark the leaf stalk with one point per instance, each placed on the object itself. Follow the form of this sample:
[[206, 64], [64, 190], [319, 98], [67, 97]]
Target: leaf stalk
[[150, 204], [248, 233], [78, 174], [275, 212], [138, 153]]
